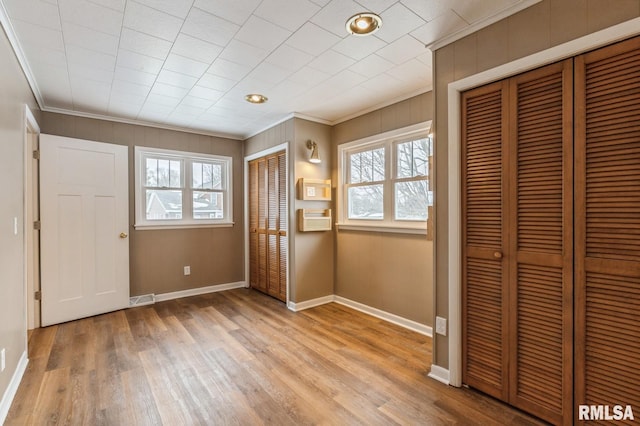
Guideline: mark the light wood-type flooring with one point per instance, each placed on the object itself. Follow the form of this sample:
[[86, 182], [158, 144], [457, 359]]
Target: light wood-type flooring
[[240, 357]]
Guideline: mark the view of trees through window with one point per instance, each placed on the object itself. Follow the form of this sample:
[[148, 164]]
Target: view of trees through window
[[412, 195], [400, 169], [366, 174]]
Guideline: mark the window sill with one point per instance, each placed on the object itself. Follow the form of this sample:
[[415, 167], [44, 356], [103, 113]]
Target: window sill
[[381, 228], [153, 227]]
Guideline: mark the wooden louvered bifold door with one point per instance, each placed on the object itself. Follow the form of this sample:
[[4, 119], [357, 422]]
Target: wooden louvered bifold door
[[517, 241], [607, 243], [268, 225], [540, 226], [484, 117]]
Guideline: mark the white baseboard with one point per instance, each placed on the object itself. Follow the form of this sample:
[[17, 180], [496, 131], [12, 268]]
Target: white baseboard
[[378, 313], [297, 307], [392, 318], [199, 290], [10, 393], [440, 374]]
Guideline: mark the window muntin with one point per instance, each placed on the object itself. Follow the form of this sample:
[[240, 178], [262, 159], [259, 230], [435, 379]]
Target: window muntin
[[384, 182], [177, 189]]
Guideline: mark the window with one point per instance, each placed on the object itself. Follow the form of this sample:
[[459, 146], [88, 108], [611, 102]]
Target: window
[[384, 182], [182, 189]]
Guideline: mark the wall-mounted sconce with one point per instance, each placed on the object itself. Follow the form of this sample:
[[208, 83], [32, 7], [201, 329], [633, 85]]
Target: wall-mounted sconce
[[314, 157]]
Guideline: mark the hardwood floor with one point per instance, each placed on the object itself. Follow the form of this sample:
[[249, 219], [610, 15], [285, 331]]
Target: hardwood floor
[[240, 357]]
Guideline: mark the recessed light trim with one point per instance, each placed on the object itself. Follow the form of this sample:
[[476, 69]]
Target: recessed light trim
[[256, 98], [363, 24]]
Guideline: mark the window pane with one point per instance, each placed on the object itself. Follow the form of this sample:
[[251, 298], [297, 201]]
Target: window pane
[[207, 205], [152, 172], [421, 157], [412, 200], [413, 158], [366, 202], [164, 173], [163, 205], [367, 166], [206, 176], [355, 167], [378, 164], [405, 160]]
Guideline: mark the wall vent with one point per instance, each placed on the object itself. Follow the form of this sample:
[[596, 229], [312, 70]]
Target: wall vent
[[145, 299]]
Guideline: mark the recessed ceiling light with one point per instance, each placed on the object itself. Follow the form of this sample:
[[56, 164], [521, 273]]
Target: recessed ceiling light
[[364, 24], [256, 98]]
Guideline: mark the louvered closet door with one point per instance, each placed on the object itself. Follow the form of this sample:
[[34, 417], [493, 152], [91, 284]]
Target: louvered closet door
[[517, 241], [540, 249], [607, 240], [268, 225], [484, 183]]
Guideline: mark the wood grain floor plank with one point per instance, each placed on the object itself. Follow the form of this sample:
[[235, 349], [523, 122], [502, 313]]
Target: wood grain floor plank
[[240, 357]]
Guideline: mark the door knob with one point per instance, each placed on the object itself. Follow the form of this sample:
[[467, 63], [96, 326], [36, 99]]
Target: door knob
[[123, 235], [497, 254]]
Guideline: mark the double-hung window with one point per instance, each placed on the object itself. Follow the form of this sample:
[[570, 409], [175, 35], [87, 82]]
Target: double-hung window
[[182, 189], [384, 182]]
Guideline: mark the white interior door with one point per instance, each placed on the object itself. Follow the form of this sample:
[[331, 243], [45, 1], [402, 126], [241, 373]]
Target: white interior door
[[84, 215]]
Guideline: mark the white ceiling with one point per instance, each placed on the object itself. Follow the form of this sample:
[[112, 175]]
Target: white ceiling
[[189, 63]]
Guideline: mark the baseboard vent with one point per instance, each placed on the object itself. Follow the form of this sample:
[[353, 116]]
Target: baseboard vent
[[145, 299]]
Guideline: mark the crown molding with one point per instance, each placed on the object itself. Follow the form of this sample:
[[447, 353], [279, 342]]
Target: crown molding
[[382, 105], [476, 26], [142, 123], [17, 50]]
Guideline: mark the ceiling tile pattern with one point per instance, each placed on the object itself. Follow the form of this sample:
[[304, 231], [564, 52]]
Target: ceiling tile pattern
[[189, 63]]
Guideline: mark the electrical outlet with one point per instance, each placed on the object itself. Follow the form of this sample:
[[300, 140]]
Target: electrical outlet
[[187, 270], [441, 326], [2, 359]]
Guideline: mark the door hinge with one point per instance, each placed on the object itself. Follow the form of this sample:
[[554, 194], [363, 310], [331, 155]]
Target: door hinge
[[37, 225], [37, 295], [36, 155]]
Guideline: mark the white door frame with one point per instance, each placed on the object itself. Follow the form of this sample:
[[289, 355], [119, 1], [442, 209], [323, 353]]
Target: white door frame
[[282, 147], [31, 127], [554, 54]]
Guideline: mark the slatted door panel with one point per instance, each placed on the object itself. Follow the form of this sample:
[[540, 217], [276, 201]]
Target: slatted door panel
[[262, 226], [253, 223], [608, 226], [272, 227], [541, 243], [283, 244], [484, 274]]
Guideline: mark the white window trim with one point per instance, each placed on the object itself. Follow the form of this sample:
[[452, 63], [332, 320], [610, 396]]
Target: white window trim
[[387, 225], [141, 222]]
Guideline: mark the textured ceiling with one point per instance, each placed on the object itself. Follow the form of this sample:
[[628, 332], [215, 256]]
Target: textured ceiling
[[190, 63]]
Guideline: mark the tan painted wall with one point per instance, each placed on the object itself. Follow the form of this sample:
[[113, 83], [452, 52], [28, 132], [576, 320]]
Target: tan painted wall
[[544, 25], [391, 272], [14, 94], [311, 256], [157, 257], [314, 251]]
